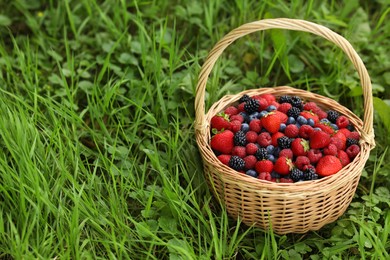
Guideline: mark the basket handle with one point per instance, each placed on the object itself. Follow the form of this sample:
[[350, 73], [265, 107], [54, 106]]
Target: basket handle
[[290, 24]]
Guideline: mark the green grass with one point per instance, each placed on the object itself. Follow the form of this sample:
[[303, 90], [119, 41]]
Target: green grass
[[98, 157]]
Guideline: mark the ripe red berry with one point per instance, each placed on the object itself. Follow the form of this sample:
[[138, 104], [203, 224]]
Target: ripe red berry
[[345, 132], [301, 162], [283, 165], [265, 176], [262, 102], [336, 141], [271, 122], [255, 125], [224, 158], [223, 142], [275, 138], [283, 117], [235, 126], [240, 107], [305, 131], [251, 148], [342, 122], [237, 117], [250, 162], [310, 106], [330, 150], [269, 97], [328, 165], [300, 146], [240, 151], [319, 139], [264, 139], [251, 137], [344, 158], [264, 166], [220, 121], [314, 155], [353, 151], [321, 114], [309, 114], [291, 130], [284, 107], [286, 153], [354, 135]]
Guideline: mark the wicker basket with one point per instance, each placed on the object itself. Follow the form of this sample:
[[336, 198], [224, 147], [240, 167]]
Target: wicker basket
[[291, 208]]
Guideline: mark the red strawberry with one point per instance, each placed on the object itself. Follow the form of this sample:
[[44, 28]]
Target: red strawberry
[[354, 135], [301, 162], [235, 126], [283, 117], [269, 97], [264, 166], [251, 148], [300, 146], [265, 176], [330, 150], [314, 155], [343, 139], [271, 122], [255, 125], [231, 111], [342, 122], [286, 153], [344, 158], [223, 142], [275, 138], [283, 165], [264, 139], [305, 131], [291, 130], [224, 158], [250, 162], [240, 151], [220, 121], [319, 139], [353, 151], [328, 165], [325, 128], [284, 107], [308, 114], [251, 137]]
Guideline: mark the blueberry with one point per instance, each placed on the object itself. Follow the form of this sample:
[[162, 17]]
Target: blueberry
[[325, 120], [244, 127], [245, 116], [271, 108], [290, 120], [301, 120], [255, 114], [251, 173], [310, 122], [334, 126], [271, 158], [270, 149], [252, 117], [262, 113], [282, 127], [277, 151]]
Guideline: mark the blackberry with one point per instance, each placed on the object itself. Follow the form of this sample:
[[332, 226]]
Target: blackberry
[[293, 112], [236, 163], [296, 175], [351, 141], [296, 102], [333, 115], [244, 98], [310, 174], [252, 105], [285, 99], [261, 154], [284, 142], [239, 138]]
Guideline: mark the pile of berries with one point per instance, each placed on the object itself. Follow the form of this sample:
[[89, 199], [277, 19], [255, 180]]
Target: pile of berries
[[283, 139]]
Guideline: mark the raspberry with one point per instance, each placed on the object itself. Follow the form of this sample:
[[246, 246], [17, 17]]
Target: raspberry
[[255, 125], [293, 112], [231, 111], [264, 139], [252, 105], [310, 174], [240, 107], [244, 98], [352, 151], [337, 142], [251, 148], [291, 131], [250, 162], [239, 151], [286, 153], [342, 122], [301, 161], [330, 150], [305, 131], [265, 176], [333, 115], [251, 137], [314, 155], [284, 107], [310, 106], [239, 139], [321, 114], [237, 163], [296, 175], [224, 158], [354, 135], [269, 97], [284, 142], [351, 141], [237, 117], [235, 126], [261, 154]]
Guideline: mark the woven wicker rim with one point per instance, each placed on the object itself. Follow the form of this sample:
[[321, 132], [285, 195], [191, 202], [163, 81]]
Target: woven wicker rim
[[365, 128]]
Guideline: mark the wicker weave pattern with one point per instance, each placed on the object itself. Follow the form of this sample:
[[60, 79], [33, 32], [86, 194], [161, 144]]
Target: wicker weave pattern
[[297, 207]]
